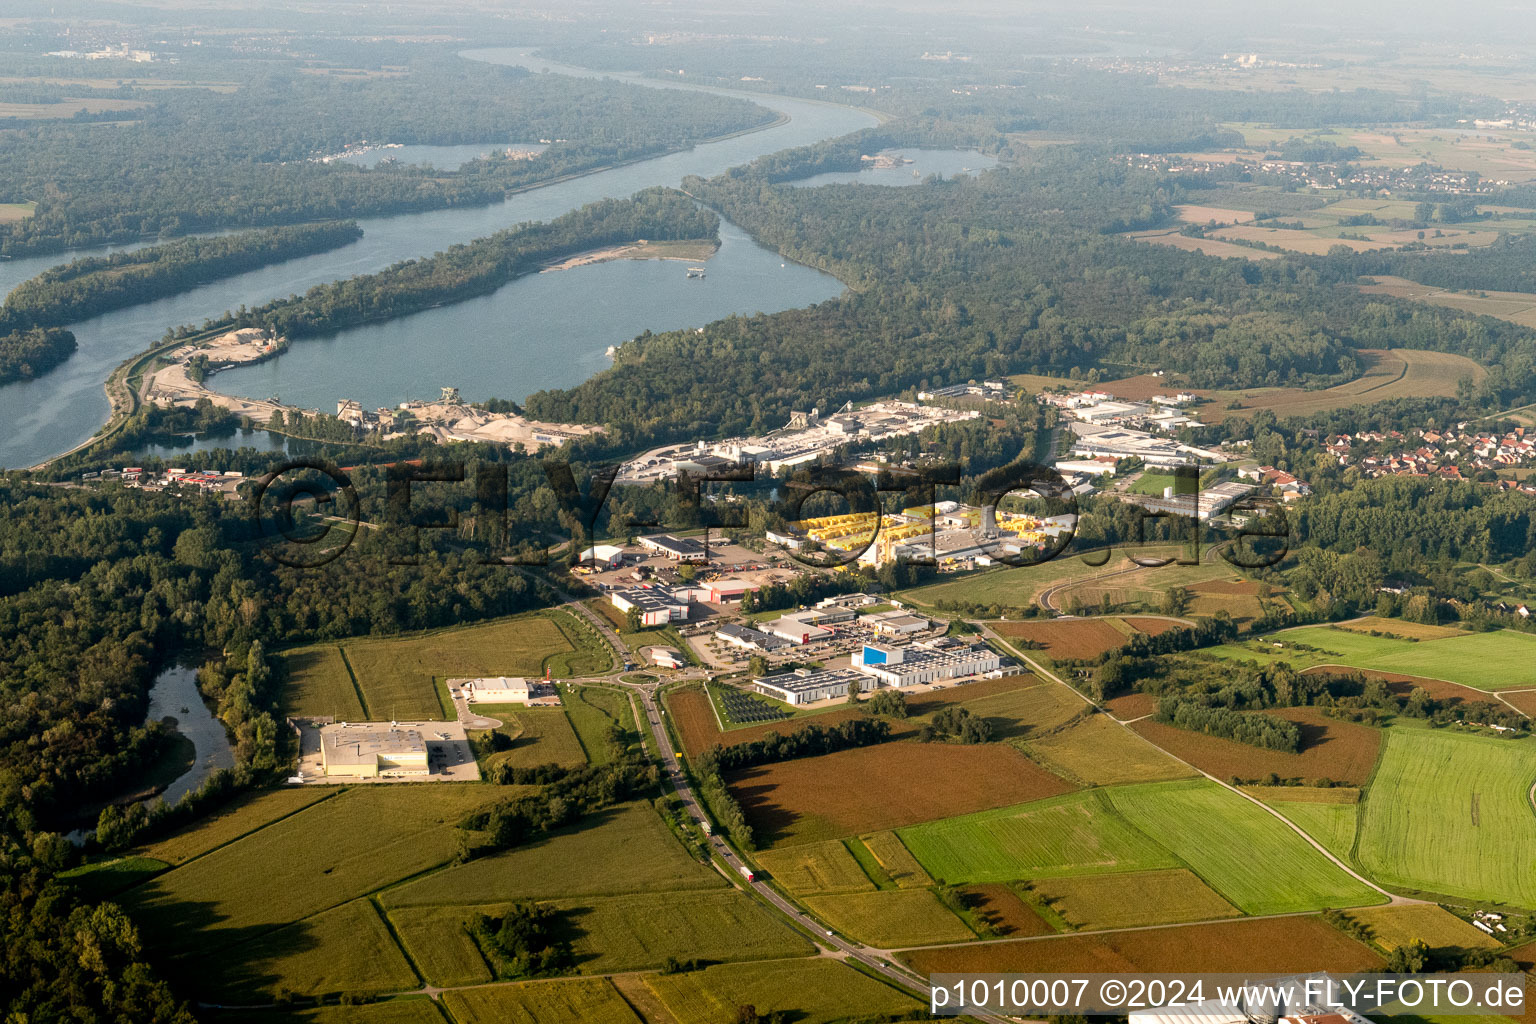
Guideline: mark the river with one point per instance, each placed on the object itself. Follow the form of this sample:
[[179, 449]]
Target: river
[[175, 695], [538, 332]]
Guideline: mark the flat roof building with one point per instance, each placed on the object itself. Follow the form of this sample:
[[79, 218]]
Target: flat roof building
[[678, 549], [657, 605], [666, 657], [497, 690], [368, 750], [750, 639], [804, 686], [919, 663]]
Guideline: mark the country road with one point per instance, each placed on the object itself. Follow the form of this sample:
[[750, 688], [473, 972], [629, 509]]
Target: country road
[[880, 961]]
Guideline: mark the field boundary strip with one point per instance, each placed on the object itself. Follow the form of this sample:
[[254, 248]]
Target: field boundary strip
[[357, 687], [235, 839], [389, 926]]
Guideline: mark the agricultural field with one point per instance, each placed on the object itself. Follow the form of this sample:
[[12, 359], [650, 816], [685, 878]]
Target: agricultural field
[[539, 736], [1277, 944], [818, 798], [1027, 711], [329, 853], [694, 719], [1486, 661], [1244, 853], [397, 676], [896, 860], [1144, 588], [1435, 926], [1398, 373], [344, 949], [998, 907], [409, 1010], [1331, 816], [1450, 813], [1065, 638], [815, 990], [623, 933], [1516, 307], [1129, 900], [592, 710], [1099, 752], [815, 869], [10, 213], [1400, 628], [1076, 834], [438, 942], [589, 1000], [1017, 587], [228, 823], [1330, 749], [891, 919], [1209, 246], [1238, 598], [621, 850]]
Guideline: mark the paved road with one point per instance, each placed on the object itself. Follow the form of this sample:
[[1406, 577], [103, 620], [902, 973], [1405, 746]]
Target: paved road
[[1045, 673], [828, 943]]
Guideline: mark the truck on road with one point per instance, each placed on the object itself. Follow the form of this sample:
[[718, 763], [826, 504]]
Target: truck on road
[[747, 873]]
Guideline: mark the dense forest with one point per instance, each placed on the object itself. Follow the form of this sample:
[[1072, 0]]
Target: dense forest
[[31, 353], [200, 159], [92, 286]]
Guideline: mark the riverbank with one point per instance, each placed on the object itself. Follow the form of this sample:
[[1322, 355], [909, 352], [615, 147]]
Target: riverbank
[[685, 250]]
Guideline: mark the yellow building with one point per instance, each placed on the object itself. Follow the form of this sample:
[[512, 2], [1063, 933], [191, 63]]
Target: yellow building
[[369, 750]]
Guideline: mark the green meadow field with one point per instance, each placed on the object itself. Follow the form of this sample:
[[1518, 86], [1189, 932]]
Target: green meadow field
[[1239, 849], [1487, 661], [1248, 856], [1451, 813], [396, 677]]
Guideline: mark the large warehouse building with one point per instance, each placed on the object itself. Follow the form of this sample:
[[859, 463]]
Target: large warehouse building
[[657, 605], [370, 750], [804, 686], [920, 663]]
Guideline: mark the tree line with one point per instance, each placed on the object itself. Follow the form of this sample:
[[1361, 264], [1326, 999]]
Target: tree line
[[94, 285]]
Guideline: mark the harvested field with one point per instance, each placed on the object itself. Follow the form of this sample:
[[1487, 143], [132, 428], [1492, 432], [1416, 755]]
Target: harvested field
[[1028, 711], [1065, 638], [1297, 241], [1524, 700], [1437, 927], [1099, 752], [1304, 794], [896, 860], [1238, 598], [1209, 246], [1152, 626], [11, 213], [1000, 907], [1206, 214], [891, 919], [1129, 900], [408, 1010], [1330, 749], [623, 849], [589, 1000], [1132, 705], [816, 869], [815, 990], [802, 801], [1279, 945], [1516, 307], [1399, 628], [1398, 373]]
